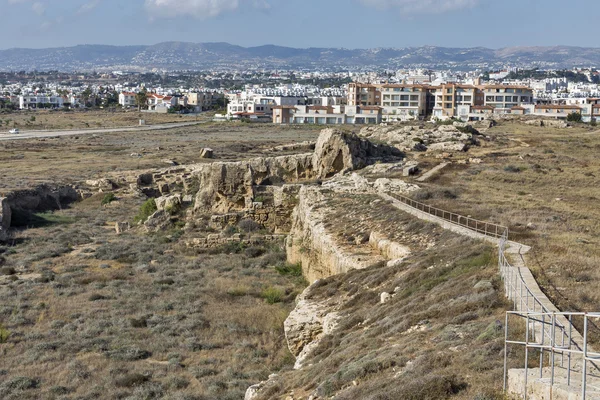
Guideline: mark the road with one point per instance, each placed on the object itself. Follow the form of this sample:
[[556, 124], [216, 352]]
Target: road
[[46, 134]]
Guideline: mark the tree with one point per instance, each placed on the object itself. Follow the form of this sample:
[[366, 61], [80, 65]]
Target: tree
[[141, 99], [574, 117], [85, 95]]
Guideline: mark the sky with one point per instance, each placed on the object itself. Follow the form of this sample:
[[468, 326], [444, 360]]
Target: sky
[[300, 23]]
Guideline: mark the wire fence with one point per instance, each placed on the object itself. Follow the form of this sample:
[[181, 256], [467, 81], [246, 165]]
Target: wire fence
[[550, 332]]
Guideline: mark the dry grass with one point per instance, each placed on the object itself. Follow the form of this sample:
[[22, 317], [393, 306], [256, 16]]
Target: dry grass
[[27, 163], [437, 338], [54, 120], [544, 184], [92, 315]]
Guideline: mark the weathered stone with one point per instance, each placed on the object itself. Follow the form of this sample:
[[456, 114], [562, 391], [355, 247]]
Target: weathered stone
[[5, 218], [384, 297], [410, 169], [144, 179], [159, 221], [121, 227], [337, 151], [206, 153], [304, 324], [163, 188], [104, 183], [170, 162], [388, 248], [171, 202], [483, 285]]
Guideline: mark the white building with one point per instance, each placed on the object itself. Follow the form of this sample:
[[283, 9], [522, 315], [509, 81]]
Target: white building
[[37, 101], [127, 99]]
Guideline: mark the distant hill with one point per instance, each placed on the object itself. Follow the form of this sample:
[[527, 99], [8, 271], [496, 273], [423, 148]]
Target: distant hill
[[202, 56]]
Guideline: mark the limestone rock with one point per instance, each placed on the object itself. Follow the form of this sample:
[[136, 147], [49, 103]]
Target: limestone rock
[[387, 248], [410, 169], [304, 324], [144, 179], [336, 151], [168, 202], [104, 183], [206, 153], [121, 227], [163, 188], [447, 146], [394, 185], [483, 285], [158, 221], [226, 186], [5, 218], [170, 162], [384, 297], [5, 214], [419, 138]]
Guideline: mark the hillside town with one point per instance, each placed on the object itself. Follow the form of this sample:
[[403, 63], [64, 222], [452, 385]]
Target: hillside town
[[299, 97]]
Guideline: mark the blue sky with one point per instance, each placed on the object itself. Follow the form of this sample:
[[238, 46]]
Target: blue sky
[[301, 23]]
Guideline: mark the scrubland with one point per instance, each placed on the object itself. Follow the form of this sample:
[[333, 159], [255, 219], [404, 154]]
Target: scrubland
[[543, 183], [88, 314]]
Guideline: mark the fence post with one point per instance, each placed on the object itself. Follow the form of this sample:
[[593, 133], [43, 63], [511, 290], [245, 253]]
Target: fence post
[[552, 343], [542, 348], [526, 358], [569, 353], [584, 367], [505, 350]]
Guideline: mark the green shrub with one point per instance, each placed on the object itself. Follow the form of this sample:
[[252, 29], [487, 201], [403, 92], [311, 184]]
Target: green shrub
[[289, 269], [574, 117], [146, 210], [272, 295], [4, 334], [513, 168], [108, 198], [173, 209], [131, 380]]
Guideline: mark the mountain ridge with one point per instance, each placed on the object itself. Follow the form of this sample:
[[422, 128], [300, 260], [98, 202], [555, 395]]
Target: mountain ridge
[[180, 55]]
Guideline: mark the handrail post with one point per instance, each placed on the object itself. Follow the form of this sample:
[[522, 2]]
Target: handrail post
[[526, 358], [505, 350], [552, 343], [569, 354], [542, 343], [584, 368]]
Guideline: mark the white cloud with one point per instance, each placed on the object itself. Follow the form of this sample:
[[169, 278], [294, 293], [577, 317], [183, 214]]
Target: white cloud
[[38, 8], [421, 6], [197, 8], [87, 7]]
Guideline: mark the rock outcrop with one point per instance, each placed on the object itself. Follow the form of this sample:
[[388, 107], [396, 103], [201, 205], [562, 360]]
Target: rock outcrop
[[424, 137], [336, 151], [5, 218], [159, 221], [306, 325], [168, 203], [312, 245], [227, 186]]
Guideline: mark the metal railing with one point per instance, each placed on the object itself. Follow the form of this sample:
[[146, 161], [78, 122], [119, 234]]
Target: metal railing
[[564, 355], [483, 227], [544, 326]]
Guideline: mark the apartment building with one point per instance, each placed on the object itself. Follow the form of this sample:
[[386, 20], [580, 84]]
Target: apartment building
[[327, 115], [449, 97], [504, 97], [203, 100], [363, 94], [37, 101], [401, 102]]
